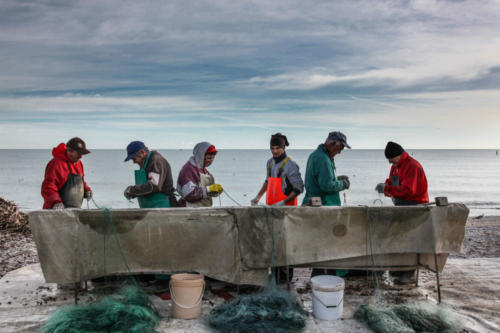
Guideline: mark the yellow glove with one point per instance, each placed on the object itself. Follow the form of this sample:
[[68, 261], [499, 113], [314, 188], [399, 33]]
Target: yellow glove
[[214, 188]]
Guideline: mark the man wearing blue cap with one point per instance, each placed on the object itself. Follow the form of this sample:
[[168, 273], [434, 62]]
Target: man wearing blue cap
[[153, 181], [320, 180]]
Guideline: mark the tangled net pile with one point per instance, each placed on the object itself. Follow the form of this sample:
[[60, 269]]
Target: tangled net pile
[[130, 311], [270, 311], [409, 318]]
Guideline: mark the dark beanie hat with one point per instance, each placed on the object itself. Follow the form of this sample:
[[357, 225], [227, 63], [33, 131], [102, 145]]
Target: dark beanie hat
[[280, 140], [392, 150]]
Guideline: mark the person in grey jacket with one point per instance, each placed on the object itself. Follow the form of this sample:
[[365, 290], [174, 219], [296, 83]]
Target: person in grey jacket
[[195, 183], [283, 182]]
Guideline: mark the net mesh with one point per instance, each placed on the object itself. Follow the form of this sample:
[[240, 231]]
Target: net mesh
[[409, 318], [273, 310], [130, 310]]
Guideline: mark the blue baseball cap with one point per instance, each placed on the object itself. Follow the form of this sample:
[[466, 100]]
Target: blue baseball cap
[[133, 148]]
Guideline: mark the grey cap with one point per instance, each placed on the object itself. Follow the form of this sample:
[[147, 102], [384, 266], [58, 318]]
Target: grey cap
[[338, 136]]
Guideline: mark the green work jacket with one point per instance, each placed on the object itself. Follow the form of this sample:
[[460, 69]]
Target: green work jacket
[[321, 180]]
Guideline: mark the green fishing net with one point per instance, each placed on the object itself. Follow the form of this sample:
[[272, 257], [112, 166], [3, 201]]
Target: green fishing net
[[270, 311], [130, 310], [409, 318]]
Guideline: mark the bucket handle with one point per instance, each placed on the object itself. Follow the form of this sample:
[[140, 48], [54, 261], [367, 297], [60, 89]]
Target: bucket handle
[[183, 306], [329, 306]]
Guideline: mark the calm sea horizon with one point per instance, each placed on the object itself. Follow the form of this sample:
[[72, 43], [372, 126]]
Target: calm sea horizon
[[471, 177]]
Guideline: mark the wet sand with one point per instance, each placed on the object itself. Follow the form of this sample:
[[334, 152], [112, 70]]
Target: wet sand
[[482, 238]]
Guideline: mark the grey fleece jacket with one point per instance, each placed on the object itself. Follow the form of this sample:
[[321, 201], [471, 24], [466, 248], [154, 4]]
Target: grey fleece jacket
[[291, 179]]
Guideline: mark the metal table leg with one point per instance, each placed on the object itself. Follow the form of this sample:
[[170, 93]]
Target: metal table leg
[[418, 269], [287, 277], [437, 278], [77, 284]]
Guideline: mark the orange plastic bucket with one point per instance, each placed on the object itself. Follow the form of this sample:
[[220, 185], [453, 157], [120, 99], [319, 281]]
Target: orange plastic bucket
[[186, 291]]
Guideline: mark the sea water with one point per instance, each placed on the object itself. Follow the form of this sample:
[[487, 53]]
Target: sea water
[[468, 176]]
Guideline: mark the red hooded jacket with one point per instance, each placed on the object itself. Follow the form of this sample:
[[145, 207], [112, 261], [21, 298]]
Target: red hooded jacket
[[412, 181], [56, 174]]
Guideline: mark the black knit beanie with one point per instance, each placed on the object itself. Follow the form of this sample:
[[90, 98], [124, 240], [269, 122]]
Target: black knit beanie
[[392, 150], [280, 140]]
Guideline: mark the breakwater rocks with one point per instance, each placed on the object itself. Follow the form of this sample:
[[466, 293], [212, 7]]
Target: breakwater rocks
[[17, 248], [12, 219]]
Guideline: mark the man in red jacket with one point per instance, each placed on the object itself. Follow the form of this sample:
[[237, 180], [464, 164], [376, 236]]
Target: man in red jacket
[[407, 184], [64, 185]]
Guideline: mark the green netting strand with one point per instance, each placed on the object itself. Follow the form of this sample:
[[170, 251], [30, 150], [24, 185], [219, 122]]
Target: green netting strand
[[130, 310], [271, 311], [409, 318]]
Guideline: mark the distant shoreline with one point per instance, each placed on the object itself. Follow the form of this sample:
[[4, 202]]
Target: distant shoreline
[[290, 149]]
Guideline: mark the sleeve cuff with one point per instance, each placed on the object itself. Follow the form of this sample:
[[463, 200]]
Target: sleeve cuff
[[386, 190]]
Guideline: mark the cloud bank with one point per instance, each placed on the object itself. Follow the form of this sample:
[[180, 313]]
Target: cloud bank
[[180, 72]]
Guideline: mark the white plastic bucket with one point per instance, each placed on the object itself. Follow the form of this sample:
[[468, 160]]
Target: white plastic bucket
[[186, 291], [327, 296]]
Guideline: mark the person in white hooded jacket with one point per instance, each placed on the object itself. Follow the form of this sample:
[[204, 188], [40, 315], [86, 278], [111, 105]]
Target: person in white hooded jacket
[[195, 183]]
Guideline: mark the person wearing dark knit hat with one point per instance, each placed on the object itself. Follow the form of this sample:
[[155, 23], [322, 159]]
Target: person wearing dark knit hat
[[407, 183], [279, 140], [64, 185], [283, 182], [392, 149]]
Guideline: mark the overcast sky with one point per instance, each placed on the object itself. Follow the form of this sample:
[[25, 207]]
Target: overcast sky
[[172, 73]]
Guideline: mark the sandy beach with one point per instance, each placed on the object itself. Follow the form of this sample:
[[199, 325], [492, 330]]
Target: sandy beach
[[467, 281]]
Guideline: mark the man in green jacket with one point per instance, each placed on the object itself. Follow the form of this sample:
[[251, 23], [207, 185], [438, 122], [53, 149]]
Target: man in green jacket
[[321, 180]]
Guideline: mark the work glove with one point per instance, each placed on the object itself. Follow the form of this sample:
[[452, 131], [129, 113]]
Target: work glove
[[380, 188], [88, 195], [127, 193], [214, 190], [58, 206], [255, 201], [345, 180], [279, 203]]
